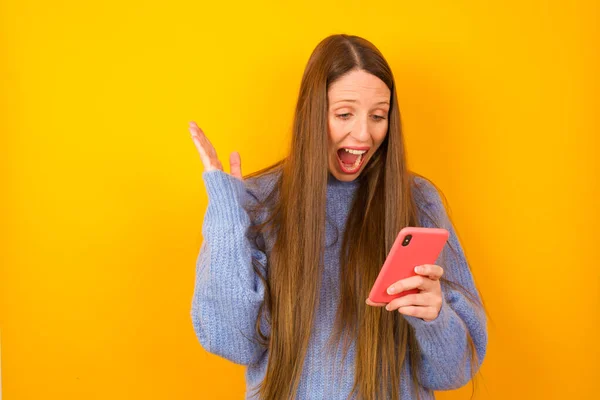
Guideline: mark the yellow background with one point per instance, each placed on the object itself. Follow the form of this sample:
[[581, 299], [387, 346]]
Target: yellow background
[[102, 199]]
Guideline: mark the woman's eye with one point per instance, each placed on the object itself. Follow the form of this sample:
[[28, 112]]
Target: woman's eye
[[347, 115]]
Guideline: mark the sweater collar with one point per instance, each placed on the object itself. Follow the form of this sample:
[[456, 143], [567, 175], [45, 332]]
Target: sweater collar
[[333, 182]]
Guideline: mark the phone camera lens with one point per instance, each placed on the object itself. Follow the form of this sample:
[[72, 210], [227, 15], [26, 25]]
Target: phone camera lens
[[406, 240]]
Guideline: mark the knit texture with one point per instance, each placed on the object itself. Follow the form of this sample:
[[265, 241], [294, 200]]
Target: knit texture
[[228, 294]]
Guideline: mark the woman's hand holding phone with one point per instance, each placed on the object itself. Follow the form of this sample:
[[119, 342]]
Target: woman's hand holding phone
[[208, 154], [427, 303]]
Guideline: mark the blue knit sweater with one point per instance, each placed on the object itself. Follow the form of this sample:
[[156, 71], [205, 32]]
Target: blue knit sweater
[[228, 293]]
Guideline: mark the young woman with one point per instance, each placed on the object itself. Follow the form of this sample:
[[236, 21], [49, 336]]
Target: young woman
[[290, 252]]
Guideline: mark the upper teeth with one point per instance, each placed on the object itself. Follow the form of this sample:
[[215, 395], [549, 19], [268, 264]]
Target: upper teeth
[[351, 151]]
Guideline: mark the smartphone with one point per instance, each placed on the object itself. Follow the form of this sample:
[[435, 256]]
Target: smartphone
[[413, 246]]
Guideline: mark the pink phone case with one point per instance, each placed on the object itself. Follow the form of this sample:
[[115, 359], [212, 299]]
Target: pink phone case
[[424, 247]]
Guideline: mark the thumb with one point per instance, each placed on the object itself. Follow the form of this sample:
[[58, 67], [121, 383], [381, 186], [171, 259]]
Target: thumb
[[235, 164], [369, 302]]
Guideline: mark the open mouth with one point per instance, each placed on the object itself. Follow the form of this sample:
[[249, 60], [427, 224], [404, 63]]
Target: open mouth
[[351, 159]]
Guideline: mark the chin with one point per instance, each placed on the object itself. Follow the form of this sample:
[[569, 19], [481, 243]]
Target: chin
[[345, 177]]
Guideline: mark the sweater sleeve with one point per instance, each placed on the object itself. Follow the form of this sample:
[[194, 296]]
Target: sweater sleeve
[[227, 293], [443, 341]]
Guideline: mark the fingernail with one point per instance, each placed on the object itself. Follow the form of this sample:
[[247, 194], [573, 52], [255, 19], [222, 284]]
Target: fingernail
[[387, 307], [390, 290], [192, 124], [418, 269]]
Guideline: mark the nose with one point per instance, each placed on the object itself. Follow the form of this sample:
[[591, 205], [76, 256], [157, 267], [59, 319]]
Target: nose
[[360, 130]]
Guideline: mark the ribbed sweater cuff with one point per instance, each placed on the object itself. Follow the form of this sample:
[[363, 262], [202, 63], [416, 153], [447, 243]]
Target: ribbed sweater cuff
[[440, 329], [225, 197]]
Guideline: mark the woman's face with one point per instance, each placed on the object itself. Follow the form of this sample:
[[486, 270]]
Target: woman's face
[[357, 120]]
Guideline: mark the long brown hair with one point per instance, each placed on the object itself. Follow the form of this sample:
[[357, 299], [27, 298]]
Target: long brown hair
[[295, 207]]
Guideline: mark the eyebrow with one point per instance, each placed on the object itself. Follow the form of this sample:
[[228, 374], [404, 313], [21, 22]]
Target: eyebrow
[[356, 101]]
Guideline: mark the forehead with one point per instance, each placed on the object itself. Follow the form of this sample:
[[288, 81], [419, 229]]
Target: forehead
[[357, 85]]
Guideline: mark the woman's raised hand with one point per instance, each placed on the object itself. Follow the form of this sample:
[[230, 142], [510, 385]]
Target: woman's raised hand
[[208, 154]]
